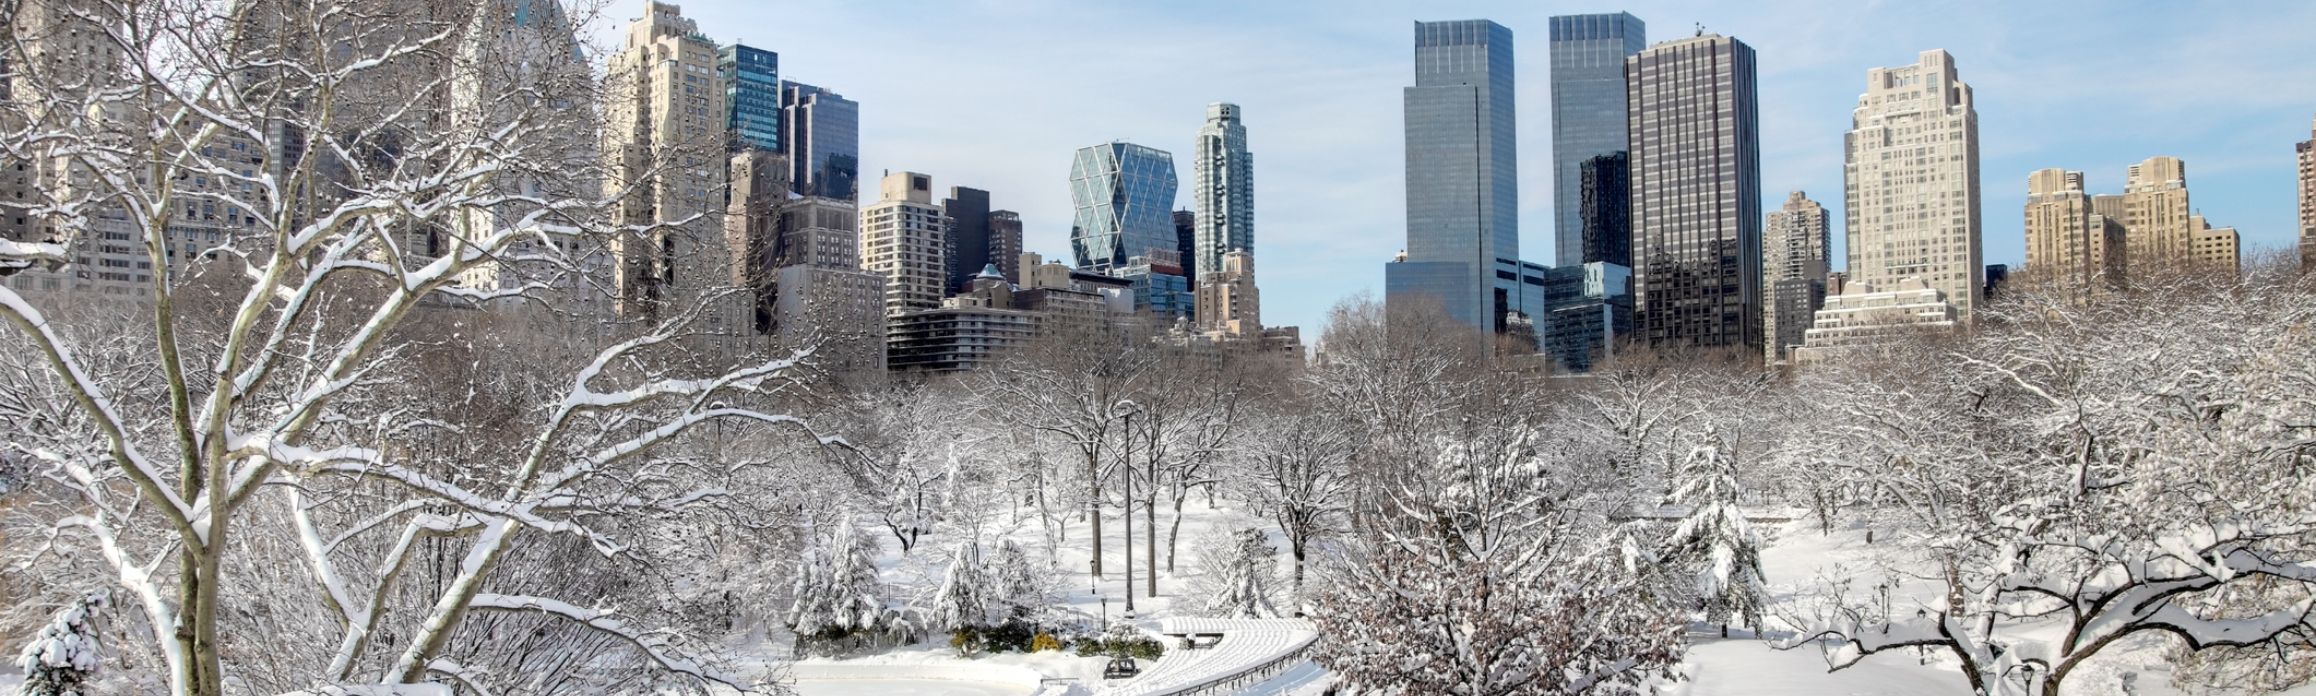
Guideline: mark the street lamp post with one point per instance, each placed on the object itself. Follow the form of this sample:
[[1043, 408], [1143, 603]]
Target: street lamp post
[[1127, 510]]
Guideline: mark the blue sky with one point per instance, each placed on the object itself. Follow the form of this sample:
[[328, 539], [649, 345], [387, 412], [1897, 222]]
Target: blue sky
[[996, 95]]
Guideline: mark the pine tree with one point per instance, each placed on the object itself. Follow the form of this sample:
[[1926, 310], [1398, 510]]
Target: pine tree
[[964, 598], [1714, 544], [1240, 576], [1015, 584], [62, 659]]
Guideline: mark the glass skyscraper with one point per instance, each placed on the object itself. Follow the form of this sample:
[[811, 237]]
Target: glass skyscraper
[[751, 80], [1463, 225], [1224, 189], [820, 133], [1125, 203], [1695, 130], [1588, 53]]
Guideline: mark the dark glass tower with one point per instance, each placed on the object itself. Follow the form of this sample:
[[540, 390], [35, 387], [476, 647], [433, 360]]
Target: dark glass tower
[[820, 133], [968, 212], [1603, 209], [751, 81], [1696, 193], [1588, 121], [1463, 225]]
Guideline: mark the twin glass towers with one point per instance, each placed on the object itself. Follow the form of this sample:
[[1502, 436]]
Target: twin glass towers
[[1463, 227]]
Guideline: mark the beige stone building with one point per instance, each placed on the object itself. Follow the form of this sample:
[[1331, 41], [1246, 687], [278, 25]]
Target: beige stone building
[[663, 139], [1864, 317], [2156, 214], [904, 237], [1228, 302], [1911, 178], [1793, 268], [2213, 247], [2068, 241]]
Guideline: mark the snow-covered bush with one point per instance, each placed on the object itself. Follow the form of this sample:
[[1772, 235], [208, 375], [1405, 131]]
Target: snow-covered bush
[[62, 659]]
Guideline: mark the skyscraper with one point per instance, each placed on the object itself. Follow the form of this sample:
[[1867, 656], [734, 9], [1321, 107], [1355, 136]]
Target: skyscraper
[[1696, 192], [1186, 240], [902, 238], [759, 188], [1588, 122], [2068, 242], [1912, 175], [1229, 304], [1005, 243], [665, 148], [1125, 203], [820, 133], [751, 81], [2307, 152], [968, 237], [2156, 213], [1223, 190], [1604, 207], [1793, 247], [1463, 223]]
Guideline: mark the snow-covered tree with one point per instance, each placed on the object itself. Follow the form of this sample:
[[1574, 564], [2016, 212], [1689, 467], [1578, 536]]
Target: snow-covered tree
[[1238, 575], [1016, 587], [1714, 544], [966, 593], [2087, 472], [837, 590], [62, 659], [1297, 471]]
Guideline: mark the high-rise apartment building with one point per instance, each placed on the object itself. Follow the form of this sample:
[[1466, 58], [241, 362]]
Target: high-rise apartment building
[[968, 237], [664, 140], [1696, 192], [2307, 153], [1463, 221], [1794, 242], [1228, 302], [903, 237], [2068, 242], [1911, 174], [1005, 243], [751, 81], [1223, 190], [2214, 248], [820, 133], [759, 188], [2156, 214], [1124, 195], [1588, 123]]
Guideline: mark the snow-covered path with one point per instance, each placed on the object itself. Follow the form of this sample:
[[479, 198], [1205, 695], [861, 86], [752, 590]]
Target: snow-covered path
[[1751, 668], [901, 687]]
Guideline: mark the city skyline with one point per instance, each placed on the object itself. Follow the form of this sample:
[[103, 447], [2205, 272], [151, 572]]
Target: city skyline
[[1322, 90]]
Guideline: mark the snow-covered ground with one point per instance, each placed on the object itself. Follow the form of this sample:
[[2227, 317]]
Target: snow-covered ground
[[901, 687]]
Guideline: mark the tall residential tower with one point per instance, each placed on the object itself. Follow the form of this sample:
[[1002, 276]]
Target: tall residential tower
[[1793, 248], [663, 139], [1588, 136], [1696, 192], [1223, 190], [1912, 175], [2068, 242], [903, 236], [2307, 153]]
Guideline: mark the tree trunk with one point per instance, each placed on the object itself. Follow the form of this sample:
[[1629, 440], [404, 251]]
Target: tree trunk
[[1094, 505], [1174, 534], [1150, 520], [1300, 547]]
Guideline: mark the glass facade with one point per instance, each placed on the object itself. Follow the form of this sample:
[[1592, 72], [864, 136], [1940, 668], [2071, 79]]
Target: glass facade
[[1604, 209], [1124, 195], [1591, 309], [1695, 134], [1588, 120], [1462, 181], [1159, 289], [1224, 189], [751, 78], [820, 133]]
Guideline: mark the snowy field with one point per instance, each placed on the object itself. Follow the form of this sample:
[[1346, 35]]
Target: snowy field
[[901, 687]]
